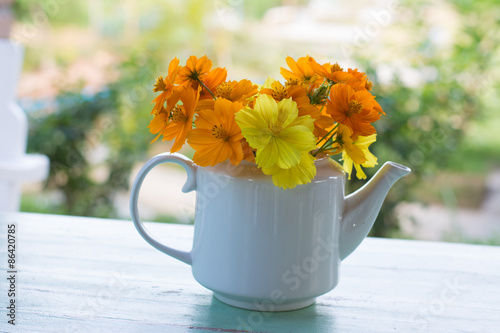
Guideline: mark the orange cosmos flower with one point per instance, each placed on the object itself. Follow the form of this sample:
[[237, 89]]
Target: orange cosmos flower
[[333, 73], [359, 80], [233, 91], [323, 125], [301, 71], [236, 91], [296, 92], [161, 119], [356, 109], [322, 121], [299, 96], [214, 78], [275, 89], [159, 123], [248, 152], [217, 137], [166, 86], [181, 119], [194, 71]]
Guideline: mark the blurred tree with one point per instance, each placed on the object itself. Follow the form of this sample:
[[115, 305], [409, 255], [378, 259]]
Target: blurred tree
[[67, 137], [423, 128], [425, 124], [72, 134], [51, 12], [113, 121]]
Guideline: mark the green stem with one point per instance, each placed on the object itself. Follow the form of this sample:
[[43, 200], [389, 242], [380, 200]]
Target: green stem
[[328, 142], [204, 86], [328, 134], [327, 94], [325, 147]]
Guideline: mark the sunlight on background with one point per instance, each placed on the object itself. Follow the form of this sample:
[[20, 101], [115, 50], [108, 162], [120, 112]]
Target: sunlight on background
[[90, 67]]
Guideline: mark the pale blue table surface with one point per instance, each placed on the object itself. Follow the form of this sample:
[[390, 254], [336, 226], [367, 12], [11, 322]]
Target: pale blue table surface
[[95, 275]]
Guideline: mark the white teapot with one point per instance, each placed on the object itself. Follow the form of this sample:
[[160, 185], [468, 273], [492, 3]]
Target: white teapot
[[259, 247]]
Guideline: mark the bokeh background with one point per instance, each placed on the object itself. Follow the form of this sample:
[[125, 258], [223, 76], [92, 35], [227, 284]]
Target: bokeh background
[[90, 65]]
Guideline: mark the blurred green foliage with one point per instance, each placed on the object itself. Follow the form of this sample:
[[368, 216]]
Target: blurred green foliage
[[114, 120], [58, 13], [425, 124], [64, 137], [112, 123], [70, 136]]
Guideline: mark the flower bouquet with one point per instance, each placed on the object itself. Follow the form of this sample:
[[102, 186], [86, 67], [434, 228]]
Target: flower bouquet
[[318, 110], [250, 236]]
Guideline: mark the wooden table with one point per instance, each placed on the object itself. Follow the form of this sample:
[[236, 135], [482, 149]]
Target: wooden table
[[95, 275]]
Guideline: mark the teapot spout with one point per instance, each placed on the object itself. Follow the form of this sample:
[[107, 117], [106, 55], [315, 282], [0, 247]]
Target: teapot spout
[[362, 207]]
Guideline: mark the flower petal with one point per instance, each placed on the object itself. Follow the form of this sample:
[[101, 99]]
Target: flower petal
[[268, 155], [267, 107]]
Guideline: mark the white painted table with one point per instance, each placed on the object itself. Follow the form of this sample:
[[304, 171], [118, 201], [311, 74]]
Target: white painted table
[[94, 275]]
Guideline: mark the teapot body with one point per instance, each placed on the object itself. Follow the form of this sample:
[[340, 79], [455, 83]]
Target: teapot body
[[260, 247]]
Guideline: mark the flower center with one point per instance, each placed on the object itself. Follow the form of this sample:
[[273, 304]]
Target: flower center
[[368, 85], [219, 132], [224, 90], [159, 85], [178, 115], [276, 128], [355, 107], [194, 74], [339, 139], [279, 91], [336, 68], [291, 82]]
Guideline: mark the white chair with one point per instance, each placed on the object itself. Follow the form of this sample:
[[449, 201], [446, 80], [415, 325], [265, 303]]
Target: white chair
[[16, 167]]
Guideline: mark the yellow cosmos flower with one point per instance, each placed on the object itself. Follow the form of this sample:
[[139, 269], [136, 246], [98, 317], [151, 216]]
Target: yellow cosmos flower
[[217, 137], [299, 95], [344, 144], [362, 142], [357, 154], [276, 131], [301, 173]]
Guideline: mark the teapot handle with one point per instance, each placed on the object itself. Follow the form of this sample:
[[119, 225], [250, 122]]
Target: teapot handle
[[190, 185]]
